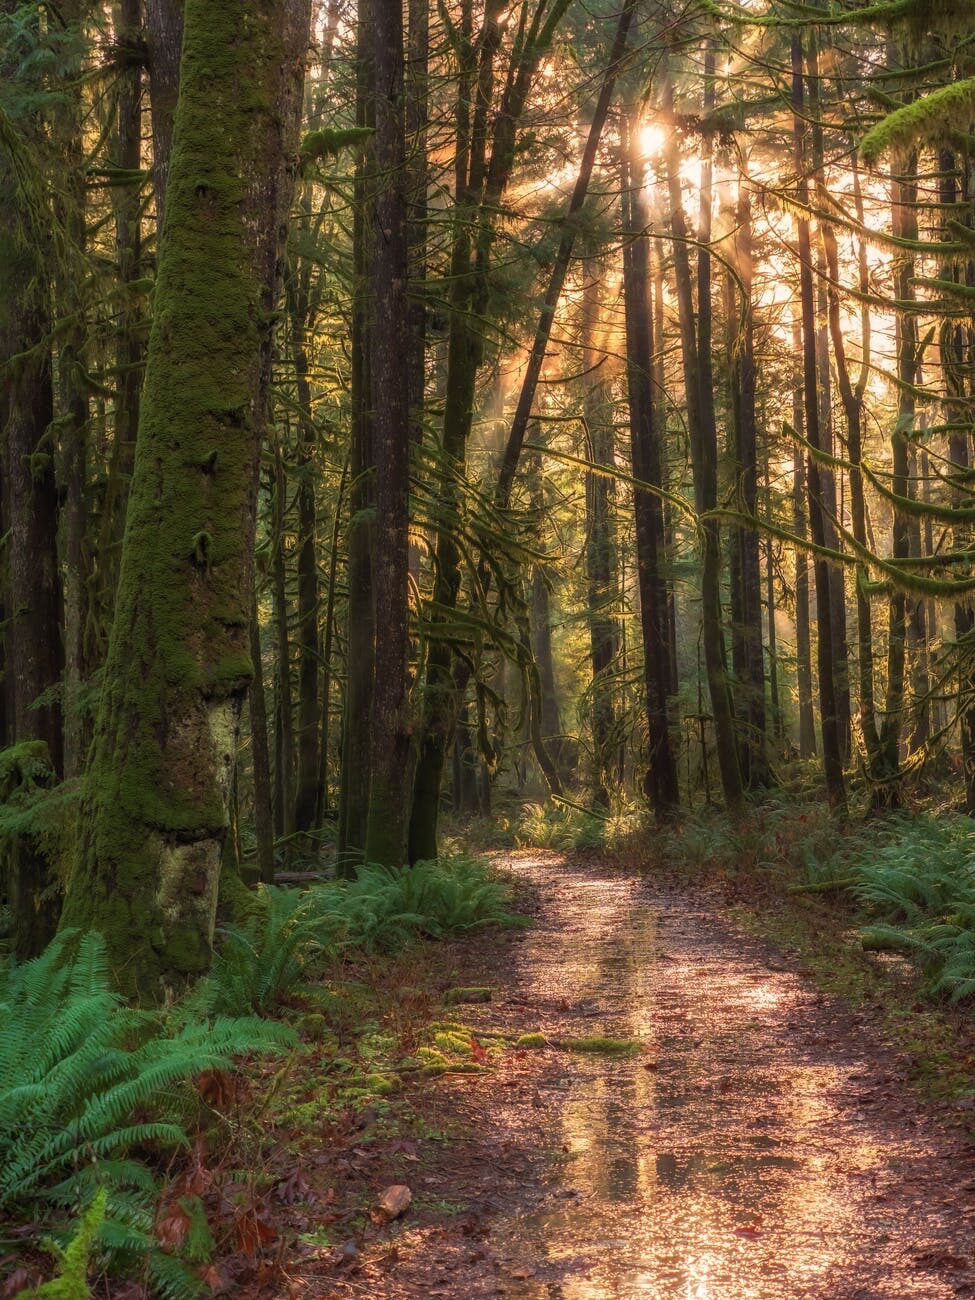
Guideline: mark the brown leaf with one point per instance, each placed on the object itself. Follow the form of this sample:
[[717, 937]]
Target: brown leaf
[[218, 1089], [172, 1226], [19, 1280], [252, 1233], [523, 1271], [395, 1200], [478, 1054], [294, 1187]]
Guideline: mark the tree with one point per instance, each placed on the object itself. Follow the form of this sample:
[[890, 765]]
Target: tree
[[178, 665]]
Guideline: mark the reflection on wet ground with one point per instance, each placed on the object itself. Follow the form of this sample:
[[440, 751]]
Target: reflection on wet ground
[[751, 1150]]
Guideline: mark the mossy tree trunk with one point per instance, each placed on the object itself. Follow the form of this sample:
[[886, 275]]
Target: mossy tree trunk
[[155, 814], [33, 653], [360, 643]]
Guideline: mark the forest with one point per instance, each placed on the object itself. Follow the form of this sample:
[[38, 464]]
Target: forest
[[487, 492]]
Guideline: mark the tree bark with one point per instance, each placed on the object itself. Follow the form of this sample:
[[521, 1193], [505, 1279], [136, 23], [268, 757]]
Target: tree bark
[[360, 643], [600, 555], [156, 810], [703, 440], [389, 790], [829, 721], [33, 650], [660, 780]]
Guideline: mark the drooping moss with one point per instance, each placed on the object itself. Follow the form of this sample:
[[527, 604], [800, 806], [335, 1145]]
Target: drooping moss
[[329, 143], [929, 119]]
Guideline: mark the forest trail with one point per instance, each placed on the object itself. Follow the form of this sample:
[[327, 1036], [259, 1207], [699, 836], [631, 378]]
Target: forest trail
[[762, 1144]]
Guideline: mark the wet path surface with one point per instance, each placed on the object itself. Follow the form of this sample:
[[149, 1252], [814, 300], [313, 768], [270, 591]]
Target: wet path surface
[[756, 1149], [762, 1145]]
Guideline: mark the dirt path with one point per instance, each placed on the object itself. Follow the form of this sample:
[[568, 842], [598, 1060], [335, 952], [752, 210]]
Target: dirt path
[[763, 1143]]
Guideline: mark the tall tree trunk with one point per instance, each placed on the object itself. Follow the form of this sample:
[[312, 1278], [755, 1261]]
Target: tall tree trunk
[[308, 635], [852, 398], [702, 433], [72, 403], [831, 512], [829, 721], [417, 181], [389, 790], [360, 643], [601, 578], [284, 713], [660, 781], [904, 222], [751, 673], [34, 657], [804, 677], [156, 811], [658, 346]]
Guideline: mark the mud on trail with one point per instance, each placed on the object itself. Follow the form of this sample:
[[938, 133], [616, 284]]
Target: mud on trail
[[762, 1143]]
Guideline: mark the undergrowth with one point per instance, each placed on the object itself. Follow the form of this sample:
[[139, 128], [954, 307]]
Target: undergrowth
[[293, 934], [98, 1098], [909, 879], [570, 827], [92, 1093]]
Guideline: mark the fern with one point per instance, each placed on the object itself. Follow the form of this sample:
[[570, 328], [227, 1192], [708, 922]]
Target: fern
[[920, 888], [86, 1085], [383, 909]]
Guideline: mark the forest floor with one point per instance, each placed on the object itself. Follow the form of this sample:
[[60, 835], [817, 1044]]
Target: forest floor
[[745, 1135]]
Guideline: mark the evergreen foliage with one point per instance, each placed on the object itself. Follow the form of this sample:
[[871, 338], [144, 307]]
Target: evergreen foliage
[[920, 888], [292, 933], [90, 1090]]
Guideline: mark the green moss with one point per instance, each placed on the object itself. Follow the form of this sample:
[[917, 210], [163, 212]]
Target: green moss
[[383, 1084], [453, 996], [532, 1040], [177, 667], [451, 1042], [930, 119], [603, 1046], [326, 143]]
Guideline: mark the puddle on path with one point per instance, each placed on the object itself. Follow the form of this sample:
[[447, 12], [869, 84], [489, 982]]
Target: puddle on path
[[756, 1149]]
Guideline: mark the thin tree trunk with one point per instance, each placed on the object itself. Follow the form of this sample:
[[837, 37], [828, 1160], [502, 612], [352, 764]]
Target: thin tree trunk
[[752, 716], [600, 556], [703, 441], [660, 781], [284, 714], [323, 808], [260, 756], [904, 223], [308, 635], [832, 752], [804, 680]]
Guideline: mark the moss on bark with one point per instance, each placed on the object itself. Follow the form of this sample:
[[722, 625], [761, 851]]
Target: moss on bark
[[178, 663]]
